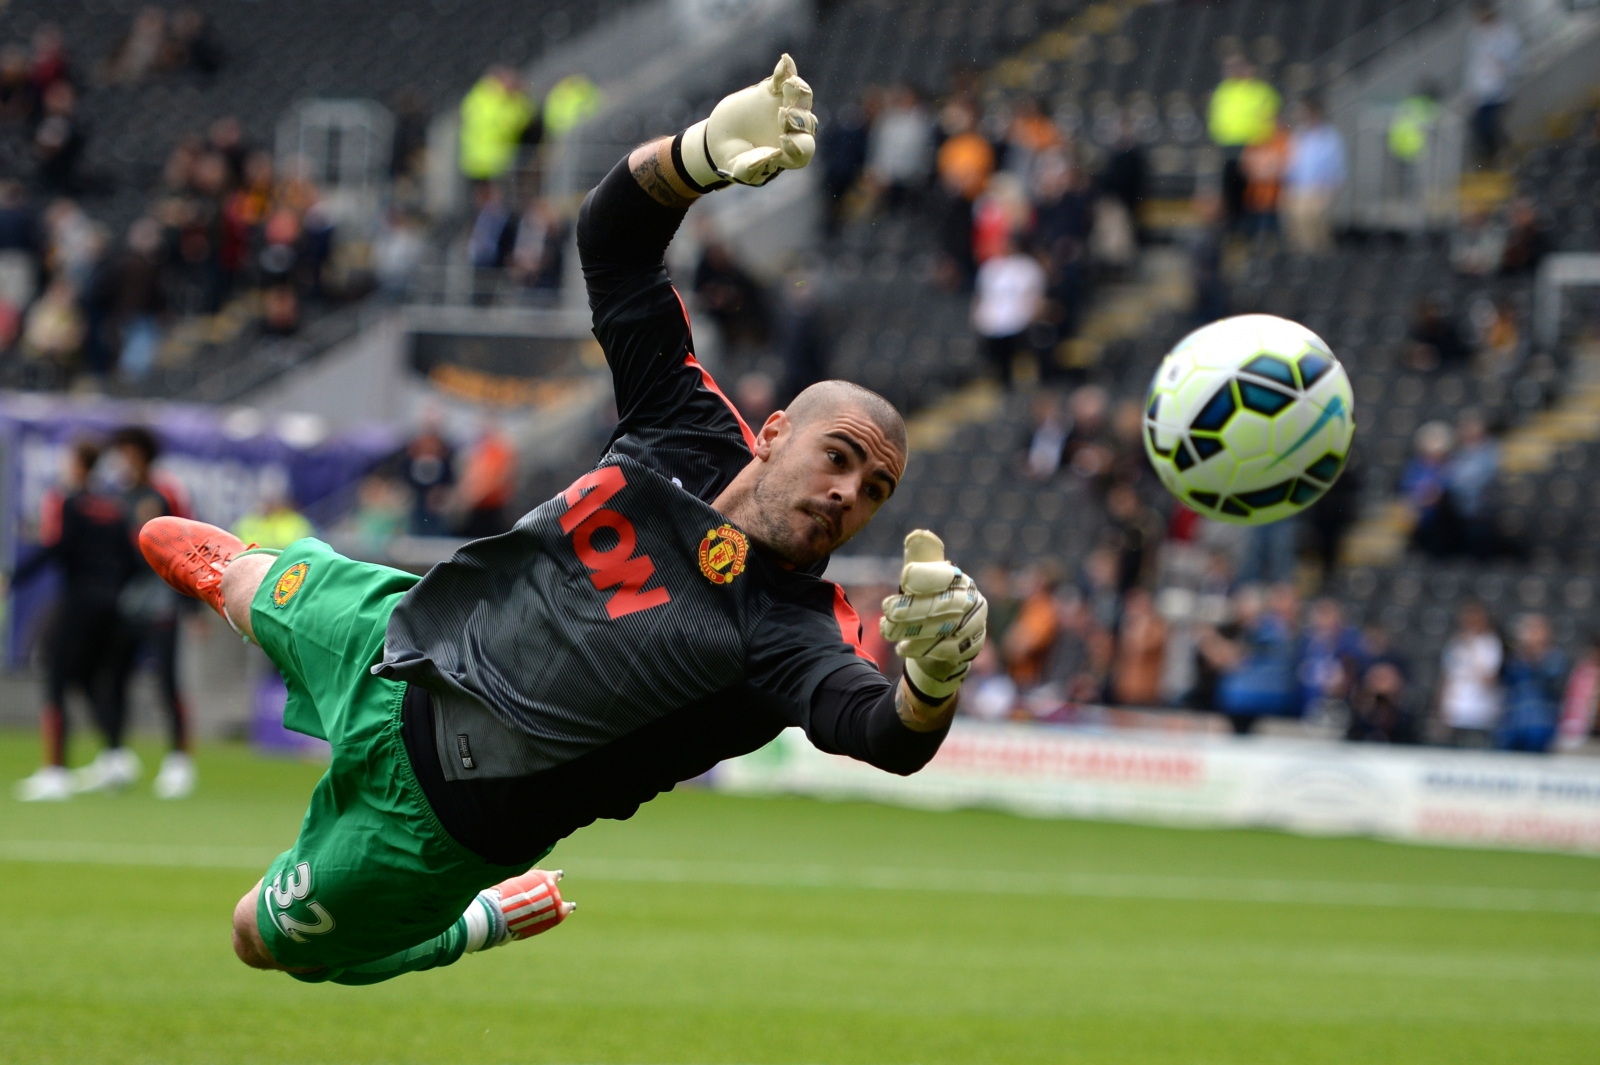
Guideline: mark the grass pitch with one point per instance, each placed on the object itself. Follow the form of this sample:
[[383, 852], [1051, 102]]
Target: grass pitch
[[721, 930]]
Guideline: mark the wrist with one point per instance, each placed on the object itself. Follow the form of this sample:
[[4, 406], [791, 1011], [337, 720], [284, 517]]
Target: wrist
[[691, 155], [930, 690]]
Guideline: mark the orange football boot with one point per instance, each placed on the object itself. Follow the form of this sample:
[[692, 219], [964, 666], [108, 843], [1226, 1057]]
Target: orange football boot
[[532, 903], [190, 555]]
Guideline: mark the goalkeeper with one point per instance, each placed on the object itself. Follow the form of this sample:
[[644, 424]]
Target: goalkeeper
[[663, 613]]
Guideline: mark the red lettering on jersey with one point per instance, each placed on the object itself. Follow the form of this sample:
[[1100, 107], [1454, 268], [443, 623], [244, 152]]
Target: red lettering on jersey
[[606, 482], [630, 598], [613, 568]]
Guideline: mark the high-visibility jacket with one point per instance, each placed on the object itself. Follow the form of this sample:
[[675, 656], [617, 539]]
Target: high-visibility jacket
[[278, 529], [492, 121], [1244, 111], [1408, 130], [570, 101]]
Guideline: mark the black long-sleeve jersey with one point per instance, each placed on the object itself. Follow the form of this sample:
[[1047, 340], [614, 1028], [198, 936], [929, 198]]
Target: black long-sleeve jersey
[[88, 536], [626, 636]]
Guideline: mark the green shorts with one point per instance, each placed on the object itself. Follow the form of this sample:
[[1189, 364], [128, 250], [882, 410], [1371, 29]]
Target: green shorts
[[372, 872]]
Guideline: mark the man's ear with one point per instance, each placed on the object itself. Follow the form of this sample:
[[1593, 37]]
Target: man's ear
[[775, 427]]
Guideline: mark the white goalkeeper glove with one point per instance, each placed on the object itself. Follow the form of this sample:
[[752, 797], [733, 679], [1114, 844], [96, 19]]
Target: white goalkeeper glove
[[938, 621], [754, 133]]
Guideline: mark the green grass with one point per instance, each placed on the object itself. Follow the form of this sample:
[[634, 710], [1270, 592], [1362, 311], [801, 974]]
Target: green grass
[[1051, 957]]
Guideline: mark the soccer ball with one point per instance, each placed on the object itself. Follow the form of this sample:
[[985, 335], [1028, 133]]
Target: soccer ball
[[1249, 419]]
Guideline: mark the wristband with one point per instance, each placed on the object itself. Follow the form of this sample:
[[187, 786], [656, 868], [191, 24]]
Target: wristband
[[929, 682], [695, 139]]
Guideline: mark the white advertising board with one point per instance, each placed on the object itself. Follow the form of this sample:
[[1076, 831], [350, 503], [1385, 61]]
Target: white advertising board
[[1424, 795]]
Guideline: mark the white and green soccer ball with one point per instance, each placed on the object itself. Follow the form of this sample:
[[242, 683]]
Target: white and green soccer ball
[[1249, 419]]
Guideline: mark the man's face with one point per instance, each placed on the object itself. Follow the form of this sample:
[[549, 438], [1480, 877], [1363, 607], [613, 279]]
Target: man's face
[[822, 483]]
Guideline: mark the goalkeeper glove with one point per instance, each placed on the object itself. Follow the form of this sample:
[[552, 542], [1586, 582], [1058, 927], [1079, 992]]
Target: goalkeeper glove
[[754, 133], [937, 622]]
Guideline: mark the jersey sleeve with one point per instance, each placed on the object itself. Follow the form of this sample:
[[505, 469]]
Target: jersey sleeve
[[803, 660], [665, 399]]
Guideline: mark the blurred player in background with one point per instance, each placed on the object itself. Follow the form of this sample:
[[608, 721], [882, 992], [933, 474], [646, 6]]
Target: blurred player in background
[[149, 612], [85, 533], [662, 614]]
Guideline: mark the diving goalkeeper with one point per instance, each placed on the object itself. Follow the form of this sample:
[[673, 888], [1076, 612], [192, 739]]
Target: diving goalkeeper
[[663, 613]]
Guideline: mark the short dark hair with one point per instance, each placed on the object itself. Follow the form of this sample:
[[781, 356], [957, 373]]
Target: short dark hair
[[140, 439], [824, 396]]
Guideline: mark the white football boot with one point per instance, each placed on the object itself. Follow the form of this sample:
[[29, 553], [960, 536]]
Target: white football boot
[[51, 783], [177, 777], [112, 770]]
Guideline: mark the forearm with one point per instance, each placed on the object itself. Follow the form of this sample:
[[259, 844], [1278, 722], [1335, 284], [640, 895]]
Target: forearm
[[859, 713], [658, 168]]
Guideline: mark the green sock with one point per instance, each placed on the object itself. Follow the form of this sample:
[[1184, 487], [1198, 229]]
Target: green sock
[[474, 930]]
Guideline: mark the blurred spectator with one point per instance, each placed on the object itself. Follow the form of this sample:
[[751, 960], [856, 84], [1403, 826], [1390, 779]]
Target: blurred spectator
[[492, 234], [1494, 52], [999, 216], [1136, 532], [58, 141], [1271, 551], [1141, 648], [47, 62], [1046, 442], [1089, 449], [54, 327], [1099, 588], [1125, 176], [1080, 658], [380, 513], [274, 522], [842, 150], [990, 693], [488, 483], [802, 338], [138, 299], [1436, 337], [572, 100], [1468, 478], [1313, 177], [1030, 638], [225, 137], [1581, 698], [1535, 676], [18, 101], [1009, 298], [1243, 112], [732, 296], [1330, 657], [1469, 691], [900, 148], [1256, 668], [496, 115], [1063, 215], [193, 44], [1380, 709], [140, 51], [1499, 340], [1528, 238], [538, 245], [1029, 133], [148, 608], [1422, 483], [1264, 163], [83, 532], [429, 471], [965, 164], [396, 252], [1412, 128], [1205, 255], [1330, 517], [1478, 243]]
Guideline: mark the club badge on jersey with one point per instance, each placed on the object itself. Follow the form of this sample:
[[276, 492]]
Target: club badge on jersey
[[723, 554]]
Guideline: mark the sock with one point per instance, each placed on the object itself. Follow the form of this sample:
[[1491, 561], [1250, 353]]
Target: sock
[[482, 926]]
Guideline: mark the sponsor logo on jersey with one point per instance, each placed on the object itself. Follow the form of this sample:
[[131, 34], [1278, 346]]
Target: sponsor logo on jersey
[[723, 553], [615, 566], [289, 585]]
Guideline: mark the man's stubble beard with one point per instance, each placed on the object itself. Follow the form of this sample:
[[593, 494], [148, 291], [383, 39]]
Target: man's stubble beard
[[771, 521]]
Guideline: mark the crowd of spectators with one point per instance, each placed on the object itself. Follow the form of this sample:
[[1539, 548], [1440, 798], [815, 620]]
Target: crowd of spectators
[[224, 222]]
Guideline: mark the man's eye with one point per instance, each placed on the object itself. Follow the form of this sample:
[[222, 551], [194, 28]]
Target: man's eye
[[836, 457]]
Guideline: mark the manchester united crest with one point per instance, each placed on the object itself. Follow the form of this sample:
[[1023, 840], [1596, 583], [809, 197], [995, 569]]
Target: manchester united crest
[[723, 553], [289, 584]]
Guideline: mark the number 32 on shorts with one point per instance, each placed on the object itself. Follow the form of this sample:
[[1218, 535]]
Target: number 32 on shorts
[[298, 888]]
